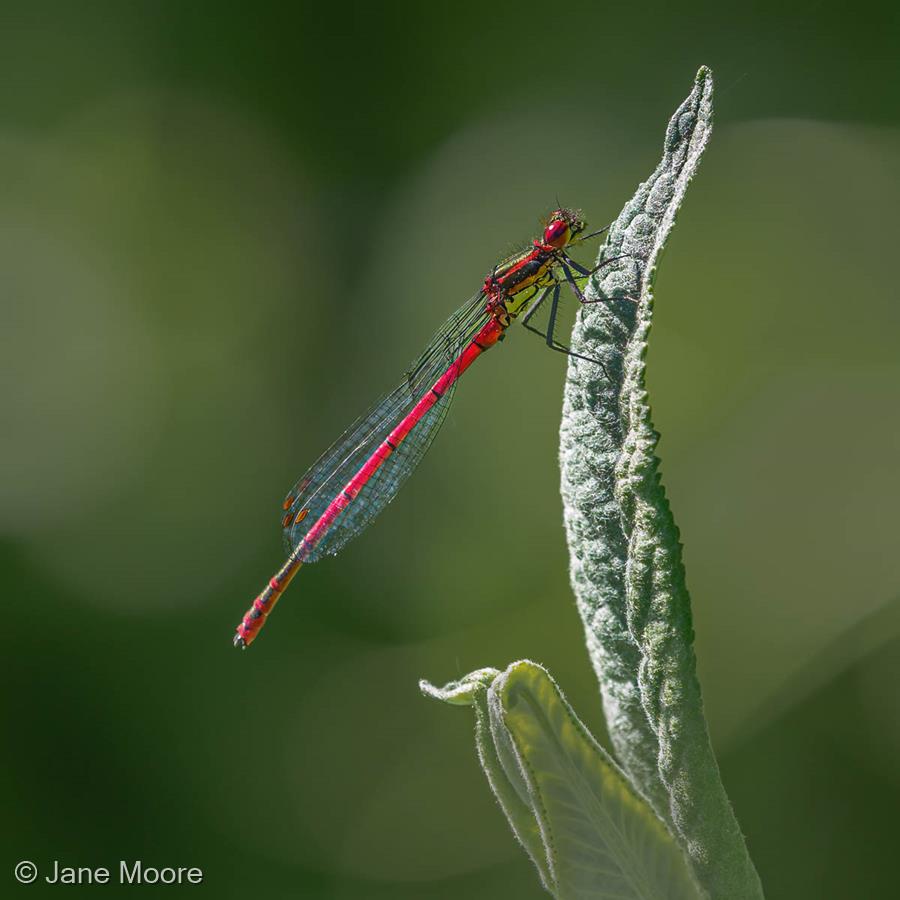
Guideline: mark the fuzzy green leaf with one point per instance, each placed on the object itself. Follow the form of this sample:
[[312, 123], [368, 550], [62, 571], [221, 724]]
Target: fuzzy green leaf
[[626, 563], [589, 833], [508, 787]]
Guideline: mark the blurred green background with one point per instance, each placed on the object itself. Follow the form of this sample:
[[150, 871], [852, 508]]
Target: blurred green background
[[224, 231]]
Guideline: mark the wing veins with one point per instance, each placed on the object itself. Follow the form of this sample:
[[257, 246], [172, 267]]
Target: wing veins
[[372, 427]]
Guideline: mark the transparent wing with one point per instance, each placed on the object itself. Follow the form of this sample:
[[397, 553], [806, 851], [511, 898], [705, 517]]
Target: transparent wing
[[317, 487], [382, 487]]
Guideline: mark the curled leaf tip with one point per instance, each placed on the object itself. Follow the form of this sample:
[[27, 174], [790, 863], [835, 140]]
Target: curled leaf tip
[[461, 692]]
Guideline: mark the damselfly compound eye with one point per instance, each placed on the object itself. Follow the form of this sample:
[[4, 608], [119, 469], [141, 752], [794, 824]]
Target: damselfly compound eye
[[556, 234]]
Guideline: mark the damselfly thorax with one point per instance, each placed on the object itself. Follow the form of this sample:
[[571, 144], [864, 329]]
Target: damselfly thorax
[[515, 281]]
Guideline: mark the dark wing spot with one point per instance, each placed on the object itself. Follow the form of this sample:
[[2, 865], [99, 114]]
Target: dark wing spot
[[286, 520], [300, 516], [288, 502]]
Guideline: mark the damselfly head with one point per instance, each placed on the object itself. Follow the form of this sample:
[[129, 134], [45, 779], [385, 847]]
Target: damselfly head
[[562, 226]]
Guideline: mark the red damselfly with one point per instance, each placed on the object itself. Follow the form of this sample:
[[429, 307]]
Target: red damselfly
[[355, 478]]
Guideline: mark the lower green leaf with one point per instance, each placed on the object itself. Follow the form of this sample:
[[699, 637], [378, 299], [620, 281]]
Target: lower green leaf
[[589, 832]]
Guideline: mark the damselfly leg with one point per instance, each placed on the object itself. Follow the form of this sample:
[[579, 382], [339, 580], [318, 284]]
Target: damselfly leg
[[549, 335]]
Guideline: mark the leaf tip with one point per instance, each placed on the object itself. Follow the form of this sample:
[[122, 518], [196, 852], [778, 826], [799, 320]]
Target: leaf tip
[[461, 692]]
